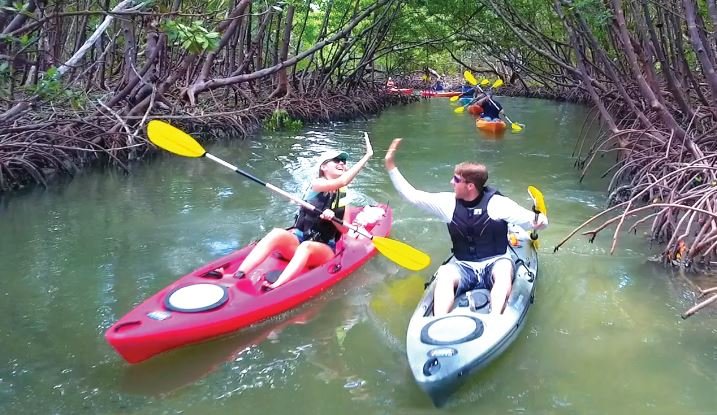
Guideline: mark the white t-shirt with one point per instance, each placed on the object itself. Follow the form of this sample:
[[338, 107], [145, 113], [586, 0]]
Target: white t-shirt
[[443, 204]]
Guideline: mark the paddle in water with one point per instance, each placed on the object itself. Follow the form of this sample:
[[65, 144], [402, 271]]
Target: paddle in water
[[176, 141]]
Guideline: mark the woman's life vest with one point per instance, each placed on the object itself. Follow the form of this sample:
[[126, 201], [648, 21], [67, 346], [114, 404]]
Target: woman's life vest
[[474, 234], [309, 222]]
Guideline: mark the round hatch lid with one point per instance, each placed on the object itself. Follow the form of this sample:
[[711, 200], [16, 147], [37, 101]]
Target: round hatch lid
[[196, 297], [452, 330]]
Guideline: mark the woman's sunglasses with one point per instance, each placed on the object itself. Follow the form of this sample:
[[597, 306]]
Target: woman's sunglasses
[[336, 160]]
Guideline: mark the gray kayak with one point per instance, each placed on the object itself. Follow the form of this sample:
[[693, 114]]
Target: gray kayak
[[443, 351]]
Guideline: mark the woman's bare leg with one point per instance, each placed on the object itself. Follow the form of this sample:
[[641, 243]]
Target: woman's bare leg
[[308, 253], [278, 239]]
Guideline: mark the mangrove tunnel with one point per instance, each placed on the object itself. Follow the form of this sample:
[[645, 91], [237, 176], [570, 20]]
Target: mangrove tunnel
[[80, 80]]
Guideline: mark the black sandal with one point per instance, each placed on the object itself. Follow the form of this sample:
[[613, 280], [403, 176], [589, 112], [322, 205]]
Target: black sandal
[[213, 274]]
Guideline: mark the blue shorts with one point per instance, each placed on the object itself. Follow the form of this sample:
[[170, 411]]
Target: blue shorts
[[300, 236], [477, 275]]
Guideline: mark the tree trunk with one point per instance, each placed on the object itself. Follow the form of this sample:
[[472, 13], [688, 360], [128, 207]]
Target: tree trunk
[[282, 85]]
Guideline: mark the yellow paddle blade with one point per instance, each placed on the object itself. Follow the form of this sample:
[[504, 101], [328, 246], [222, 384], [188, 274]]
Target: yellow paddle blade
[[459, 110], [454, 98], [539, 205], [403, 254], [173, 139], [470, 78], [516, 127], [538, 200], [484, 82], [498, 83]]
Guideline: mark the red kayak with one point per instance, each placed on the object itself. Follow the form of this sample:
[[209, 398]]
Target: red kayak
[[439, 94], [204, 304], [400, 91]]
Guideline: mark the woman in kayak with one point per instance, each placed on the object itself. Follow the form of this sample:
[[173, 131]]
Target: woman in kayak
[[477, 217], [312, 239]]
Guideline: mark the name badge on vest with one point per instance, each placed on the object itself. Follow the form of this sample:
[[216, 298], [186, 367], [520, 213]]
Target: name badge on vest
[[476, 211]]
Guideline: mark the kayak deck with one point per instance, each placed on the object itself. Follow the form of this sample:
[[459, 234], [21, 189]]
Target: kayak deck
[[212, 304], [495, 127], [442, 351]]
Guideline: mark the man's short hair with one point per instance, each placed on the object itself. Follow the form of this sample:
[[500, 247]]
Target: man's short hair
[[475, 173]]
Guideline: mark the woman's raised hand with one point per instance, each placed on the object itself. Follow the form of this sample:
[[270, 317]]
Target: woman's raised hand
[[369, 148]]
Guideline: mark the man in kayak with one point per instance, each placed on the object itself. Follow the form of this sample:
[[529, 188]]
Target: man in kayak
[[312, 238], [477, 218], [491, 108]]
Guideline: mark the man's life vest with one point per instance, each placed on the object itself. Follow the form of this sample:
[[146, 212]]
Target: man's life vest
[[474, 234]]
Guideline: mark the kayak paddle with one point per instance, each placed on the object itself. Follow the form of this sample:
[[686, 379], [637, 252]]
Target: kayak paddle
[[538, 207], [497, 84], [460, 110], [470, 78], [176, 141]]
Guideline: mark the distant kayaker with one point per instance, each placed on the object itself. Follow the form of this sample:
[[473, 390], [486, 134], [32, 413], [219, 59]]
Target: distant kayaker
[[390, 84], [491, 108], [477, 218], [313, 236], [467, 90]]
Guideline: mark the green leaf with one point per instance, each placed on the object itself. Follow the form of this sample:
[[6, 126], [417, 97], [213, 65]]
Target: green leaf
[[52, 73]]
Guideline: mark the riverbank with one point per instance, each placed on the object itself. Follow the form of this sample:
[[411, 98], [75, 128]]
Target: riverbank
[[56, 141]]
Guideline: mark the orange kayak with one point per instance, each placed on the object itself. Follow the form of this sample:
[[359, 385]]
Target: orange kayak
[[497, 126]]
